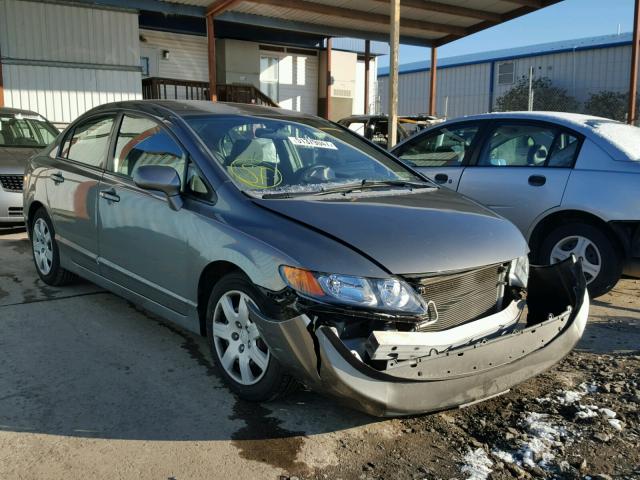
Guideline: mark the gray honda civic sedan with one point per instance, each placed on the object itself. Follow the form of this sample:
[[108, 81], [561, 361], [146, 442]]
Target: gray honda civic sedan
[[304, 253]]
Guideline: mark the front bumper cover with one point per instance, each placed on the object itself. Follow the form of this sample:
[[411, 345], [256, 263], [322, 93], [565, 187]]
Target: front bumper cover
[[558, 307]]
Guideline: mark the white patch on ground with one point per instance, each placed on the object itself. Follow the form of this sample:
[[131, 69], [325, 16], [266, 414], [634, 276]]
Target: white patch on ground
[[543, 437], [506, 457], [477, 465], [587, 411], [608, 413], [615, 423]]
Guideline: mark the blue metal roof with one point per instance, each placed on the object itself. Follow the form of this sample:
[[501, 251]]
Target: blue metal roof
[[590, 43]]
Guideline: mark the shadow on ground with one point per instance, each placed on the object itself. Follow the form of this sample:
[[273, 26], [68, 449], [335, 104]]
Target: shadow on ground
[[81, 362]]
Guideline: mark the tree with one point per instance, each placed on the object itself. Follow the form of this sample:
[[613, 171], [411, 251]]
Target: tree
[[608, 104], [545, 97]]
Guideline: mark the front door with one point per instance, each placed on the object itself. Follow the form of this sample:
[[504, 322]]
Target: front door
[[143, 243], [441, 154], [72, 190], [521, 170]]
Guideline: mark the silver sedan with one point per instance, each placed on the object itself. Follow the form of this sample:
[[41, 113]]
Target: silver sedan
[[22, 133], [570, 183]]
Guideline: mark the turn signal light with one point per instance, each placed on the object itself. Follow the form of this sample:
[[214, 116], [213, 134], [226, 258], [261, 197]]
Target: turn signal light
[[302, 280]]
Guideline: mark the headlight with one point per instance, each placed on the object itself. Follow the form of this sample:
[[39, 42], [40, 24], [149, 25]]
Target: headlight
[[519, 272], [380, 293]]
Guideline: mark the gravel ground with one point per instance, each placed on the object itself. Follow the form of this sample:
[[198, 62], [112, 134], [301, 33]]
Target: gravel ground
[[92, 387]]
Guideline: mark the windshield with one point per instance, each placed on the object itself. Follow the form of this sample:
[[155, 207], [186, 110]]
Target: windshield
[[268, 155], [25, 131]]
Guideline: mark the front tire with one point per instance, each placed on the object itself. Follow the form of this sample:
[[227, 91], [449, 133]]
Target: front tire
[[46, 254], [243, 358], [601, 263]]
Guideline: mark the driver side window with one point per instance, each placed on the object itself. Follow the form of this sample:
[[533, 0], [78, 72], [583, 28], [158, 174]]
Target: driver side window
[[517, 146], [445, 147]]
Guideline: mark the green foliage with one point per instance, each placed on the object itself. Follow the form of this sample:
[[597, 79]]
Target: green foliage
[[545, 97], [608, 104]]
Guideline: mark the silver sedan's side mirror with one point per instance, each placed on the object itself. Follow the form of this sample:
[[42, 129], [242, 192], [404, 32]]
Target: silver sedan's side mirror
[[160, 178]]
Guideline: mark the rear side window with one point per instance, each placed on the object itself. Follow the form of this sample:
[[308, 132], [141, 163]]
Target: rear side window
[[142, 141], [89, 142], [517, 146], [564, 151], [521, 145], [445, 147]]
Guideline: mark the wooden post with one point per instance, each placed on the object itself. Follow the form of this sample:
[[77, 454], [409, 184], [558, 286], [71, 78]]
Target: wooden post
[[328, 77], [633, 87], [211, 46], [1, 87], [434, 82], [367, 61], [393, 72]]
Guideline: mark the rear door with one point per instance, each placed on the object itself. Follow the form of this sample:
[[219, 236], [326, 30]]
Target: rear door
[[521, 169], [441, 154], [72, 189], [143, 242]]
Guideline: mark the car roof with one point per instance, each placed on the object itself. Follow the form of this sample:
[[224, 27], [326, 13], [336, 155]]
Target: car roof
[[588, 125], [364, 118], [183, 108], [17, 111]]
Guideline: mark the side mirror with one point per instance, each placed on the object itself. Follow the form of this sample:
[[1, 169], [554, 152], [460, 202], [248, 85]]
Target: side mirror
[[160, 178]]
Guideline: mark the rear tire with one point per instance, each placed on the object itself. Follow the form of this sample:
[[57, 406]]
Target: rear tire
[[46, 254], [240, 354], [602, 264]]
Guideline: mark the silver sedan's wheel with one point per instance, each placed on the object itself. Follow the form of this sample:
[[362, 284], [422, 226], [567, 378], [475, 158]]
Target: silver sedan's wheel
[[42, 246], [243, 354], [584, 249]]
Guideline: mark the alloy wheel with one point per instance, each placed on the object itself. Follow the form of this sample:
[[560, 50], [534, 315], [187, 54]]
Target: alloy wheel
[[42, 246], [585, 251], [242, 352]]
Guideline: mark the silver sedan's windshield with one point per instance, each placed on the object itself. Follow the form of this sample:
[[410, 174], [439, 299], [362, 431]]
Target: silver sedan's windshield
[[294, 155]]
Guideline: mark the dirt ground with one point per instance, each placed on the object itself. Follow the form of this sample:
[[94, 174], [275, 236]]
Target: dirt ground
[[91, 387]]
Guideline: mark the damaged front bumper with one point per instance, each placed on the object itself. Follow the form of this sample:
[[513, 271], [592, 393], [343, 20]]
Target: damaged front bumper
[[557, 303]]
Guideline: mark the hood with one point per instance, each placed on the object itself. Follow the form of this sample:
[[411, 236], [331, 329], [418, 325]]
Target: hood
[[410, 233], [13, 160]]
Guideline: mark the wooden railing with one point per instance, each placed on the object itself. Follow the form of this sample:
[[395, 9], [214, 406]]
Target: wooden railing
[[243, 93], [158, 88]]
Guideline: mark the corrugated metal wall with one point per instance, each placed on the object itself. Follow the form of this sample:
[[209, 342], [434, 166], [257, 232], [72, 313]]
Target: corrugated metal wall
[[187, 60], [461, 91], [581, 73], [62, 60], [465, 90]]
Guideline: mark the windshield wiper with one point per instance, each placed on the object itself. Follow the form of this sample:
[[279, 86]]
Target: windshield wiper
[[373, 184], [350, 187]]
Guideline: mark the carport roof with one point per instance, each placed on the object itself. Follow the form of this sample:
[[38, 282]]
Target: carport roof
[[422, 22]]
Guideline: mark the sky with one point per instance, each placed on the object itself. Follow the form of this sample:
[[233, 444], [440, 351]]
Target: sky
[[566, 20]]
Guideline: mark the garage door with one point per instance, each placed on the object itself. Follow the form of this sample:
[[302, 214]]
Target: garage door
[[294, 82]]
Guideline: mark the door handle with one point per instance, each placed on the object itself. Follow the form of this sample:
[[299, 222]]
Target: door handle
[[441, 178], [110, 195], [537, 180], [57, 178]]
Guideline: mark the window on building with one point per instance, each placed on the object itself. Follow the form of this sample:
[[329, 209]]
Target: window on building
[[141, 141], [269, 76], [144, 64], [89, 142], [506, 73]]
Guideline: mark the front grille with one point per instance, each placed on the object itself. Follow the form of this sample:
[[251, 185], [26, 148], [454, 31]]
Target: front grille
[[461, 297], [15, 211], [11, 183]]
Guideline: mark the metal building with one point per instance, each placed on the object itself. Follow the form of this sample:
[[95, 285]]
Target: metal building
[[470, 84]]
